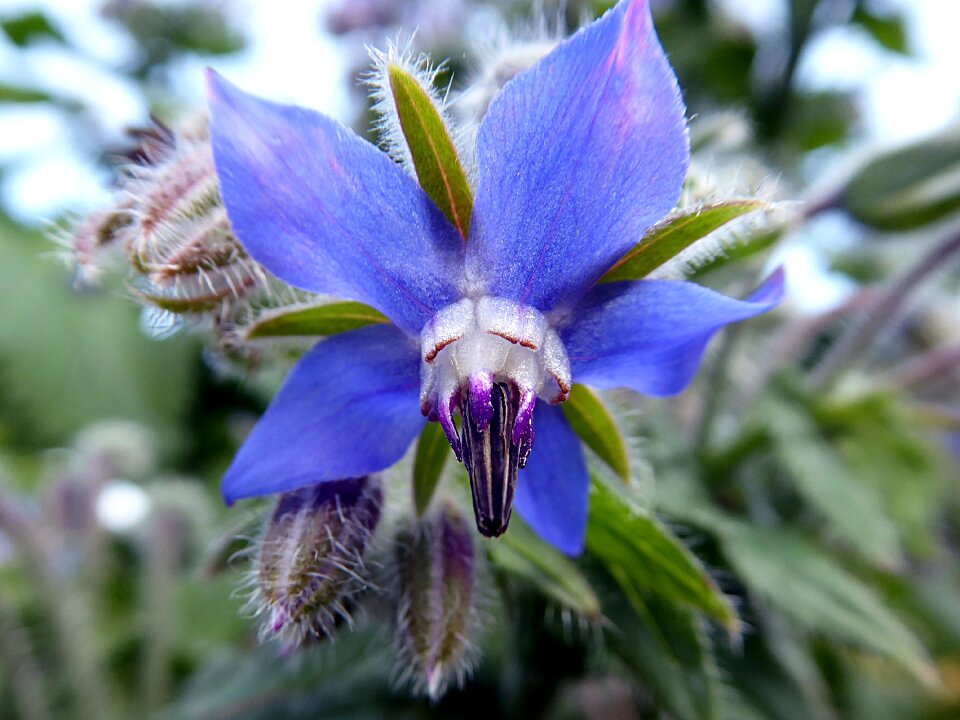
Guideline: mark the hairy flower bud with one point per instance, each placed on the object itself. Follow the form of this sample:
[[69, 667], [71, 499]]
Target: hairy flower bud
[[309, 560], [170, 222], [501, 56], [435, 614]]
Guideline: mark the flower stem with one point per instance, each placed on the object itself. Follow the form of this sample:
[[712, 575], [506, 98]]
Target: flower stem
[[70, 615], [927, 367], [27, 683], [165, 547], [853, 343]]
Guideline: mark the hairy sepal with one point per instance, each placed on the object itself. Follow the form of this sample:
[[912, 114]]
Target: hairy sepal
[[416, 132]]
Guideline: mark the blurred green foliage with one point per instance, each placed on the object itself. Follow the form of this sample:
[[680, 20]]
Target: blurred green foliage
[[779, 542]]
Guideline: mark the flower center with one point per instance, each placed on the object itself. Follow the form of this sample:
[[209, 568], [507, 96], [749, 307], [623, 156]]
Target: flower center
[[489, 360]]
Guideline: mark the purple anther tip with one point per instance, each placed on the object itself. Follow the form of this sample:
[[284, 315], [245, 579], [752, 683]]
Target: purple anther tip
[[523, 425], [481, 407]]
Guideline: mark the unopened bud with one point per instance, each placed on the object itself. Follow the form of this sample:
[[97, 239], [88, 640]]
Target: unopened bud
[[503, 56], [310, 559], [436, 614], [169, 219], [180, 239]]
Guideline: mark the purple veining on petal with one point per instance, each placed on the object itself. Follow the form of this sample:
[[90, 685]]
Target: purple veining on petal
[[327, 211], [599, 117], [649, 335]]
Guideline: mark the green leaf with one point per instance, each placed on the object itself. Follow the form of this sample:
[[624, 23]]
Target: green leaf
[[888, 30], [852, 509], [25, 29], [768, 682], [668, 238], [644, 556], [432, 453], [17, 94], [327, 319], [667, 648], [908, 188], [434, 154], [819, 118], [591, 420], [524, 555], [796, 577], [884, 443]]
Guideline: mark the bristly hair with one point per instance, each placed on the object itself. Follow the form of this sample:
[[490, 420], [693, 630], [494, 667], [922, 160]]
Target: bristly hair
[[723, 169], [497, 55], [718, 243], [419, 67]]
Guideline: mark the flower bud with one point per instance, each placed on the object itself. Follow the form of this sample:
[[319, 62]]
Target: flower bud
[[309, 560], [180, 239], [436, 597], [169, 220], [503, 55]]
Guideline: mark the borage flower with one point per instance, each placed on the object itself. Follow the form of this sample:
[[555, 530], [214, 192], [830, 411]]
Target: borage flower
[[492, 319]]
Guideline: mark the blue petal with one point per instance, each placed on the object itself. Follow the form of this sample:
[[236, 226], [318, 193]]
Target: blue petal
[[577, 157], [552, 490], [349, 408], [326, 211], [650, 335]]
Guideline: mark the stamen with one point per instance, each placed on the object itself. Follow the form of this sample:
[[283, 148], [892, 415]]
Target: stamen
[[492, 460], [490, 359], [481, 407], [523, 425]]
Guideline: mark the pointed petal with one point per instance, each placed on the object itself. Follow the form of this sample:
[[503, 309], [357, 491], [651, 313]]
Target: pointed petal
[[577, 157], [553, 488], [326, 211], [649, 335], [349, 408]]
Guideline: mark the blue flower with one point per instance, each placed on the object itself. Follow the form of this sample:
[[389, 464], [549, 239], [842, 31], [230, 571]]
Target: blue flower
[[576, 158]]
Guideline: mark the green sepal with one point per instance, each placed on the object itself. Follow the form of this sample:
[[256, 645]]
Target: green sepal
[[520, 553], [315, 320], [431, 455], [643, 556], [592, 422], [432, 150], [669, 238]]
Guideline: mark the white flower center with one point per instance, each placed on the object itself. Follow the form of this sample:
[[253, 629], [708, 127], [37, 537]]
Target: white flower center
[[490, 340], [489, 359]]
